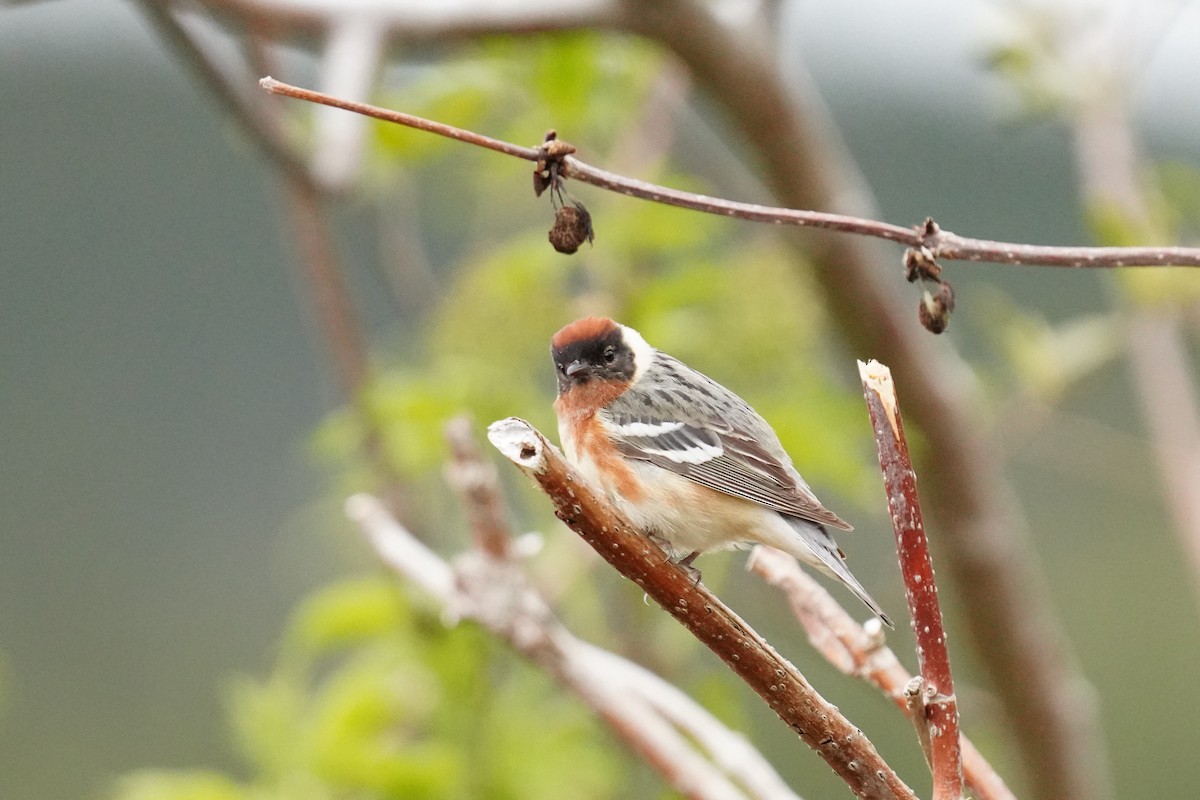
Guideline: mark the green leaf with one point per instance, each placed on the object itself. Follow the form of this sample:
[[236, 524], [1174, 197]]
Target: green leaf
[[346, 613]]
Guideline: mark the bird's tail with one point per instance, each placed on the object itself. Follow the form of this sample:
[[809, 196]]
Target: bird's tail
[[822, 552]]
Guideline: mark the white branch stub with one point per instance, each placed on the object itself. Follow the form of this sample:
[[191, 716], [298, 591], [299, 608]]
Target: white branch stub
[[519, 443]]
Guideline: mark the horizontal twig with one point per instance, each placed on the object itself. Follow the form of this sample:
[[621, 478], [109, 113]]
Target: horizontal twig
[[927, 237]]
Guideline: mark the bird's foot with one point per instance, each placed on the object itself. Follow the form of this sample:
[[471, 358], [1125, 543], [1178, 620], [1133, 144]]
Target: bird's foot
[[686, 563]]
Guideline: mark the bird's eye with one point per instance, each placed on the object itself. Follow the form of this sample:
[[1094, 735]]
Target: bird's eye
[[610, 354], [561, 367]]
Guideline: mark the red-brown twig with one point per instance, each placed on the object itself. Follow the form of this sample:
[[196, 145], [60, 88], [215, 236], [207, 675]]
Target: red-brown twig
[[818, 723], [928, 237], [916, 566], [859, 652]]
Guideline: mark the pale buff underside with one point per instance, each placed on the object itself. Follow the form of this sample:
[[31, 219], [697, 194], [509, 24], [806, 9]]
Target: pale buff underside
[[691, 517]]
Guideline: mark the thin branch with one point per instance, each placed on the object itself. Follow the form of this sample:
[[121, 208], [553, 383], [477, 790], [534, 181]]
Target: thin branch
[[400, 118], [818, 723], [478, 484], [938, 244], [859, 650], [916, 566], [495, 593]]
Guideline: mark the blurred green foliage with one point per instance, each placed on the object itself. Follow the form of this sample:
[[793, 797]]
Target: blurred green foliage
[[373, 697]]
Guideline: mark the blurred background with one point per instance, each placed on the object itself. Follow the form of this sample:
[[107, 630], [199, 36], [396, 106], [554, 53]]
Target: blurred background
[[182, 607]]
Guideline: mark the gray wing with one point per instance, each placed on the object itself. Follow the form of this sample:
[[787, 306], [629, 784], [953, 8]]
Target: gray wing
[[687, 423]]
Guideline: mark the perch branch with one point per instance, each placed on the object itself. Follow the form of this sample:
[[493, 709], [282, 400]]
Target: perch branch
[[859, 650], [477, 482], [818, 723], [916, 566], [938, 244]]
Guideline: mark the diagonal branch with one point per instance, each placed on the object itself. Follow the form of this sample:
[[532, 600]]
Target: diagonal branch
[[818, 723], [655, 718]]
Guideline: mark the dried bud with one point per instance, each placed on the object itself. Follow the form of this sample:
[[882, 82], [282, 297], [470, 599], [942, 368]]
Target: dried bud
[[572, 227], [934, 309], [541, 178]]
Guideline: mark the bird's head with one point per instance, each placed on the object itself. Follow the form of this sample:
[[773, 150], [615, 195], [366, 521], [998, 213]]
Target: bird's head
[[597, 353]]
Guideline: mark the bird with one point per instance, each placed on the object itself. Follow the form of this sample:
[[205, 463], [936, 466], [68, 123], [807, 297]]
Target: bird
[[687, 461]]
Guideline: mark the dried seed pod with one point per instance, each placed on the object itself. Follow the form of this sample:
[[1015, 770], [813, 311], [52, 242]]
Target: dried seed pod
[[572, 227], [934, 309]]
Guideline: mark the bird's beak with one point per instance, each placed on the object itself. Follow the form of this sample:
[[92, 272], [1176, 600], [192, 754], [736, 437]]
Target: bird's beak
[[575, 367]]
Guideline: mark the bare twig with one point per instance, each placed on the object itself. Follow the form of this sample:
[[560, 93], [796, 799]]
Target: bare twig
[[916, 566], [495, 593], [400, 118], [938, 244], [818, 723], [859, 650]]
